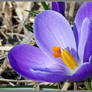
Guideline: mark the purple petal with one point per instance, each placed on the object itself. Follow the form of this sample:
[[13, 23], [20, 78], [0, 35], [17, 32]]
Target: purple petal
[[59, 7], [52, 29], [84, 11], [83, 72], [85, 41], [31, 63], [75, 32]]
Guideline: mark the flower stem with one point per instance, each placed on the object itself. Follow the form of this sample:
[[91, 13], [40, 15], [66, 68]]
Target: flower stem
[[66, 85]]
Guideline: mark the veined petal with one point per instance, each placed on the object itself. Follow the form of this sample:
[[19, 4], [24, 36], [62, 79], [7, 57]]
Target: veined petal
[[31, 63], [84, 11], [85, 41], [59, 7], [52, 29], [83, 72]]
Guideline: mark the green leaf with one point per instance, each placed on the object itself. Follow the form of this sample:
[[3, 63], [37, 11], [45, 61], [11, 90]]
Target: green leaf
[[29, 28], [88, 83], [45, 6], [31, 12]]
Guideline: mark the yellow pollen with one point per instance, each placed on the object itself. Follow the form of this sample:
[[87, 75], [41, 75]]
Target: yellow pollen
[[65, 57]]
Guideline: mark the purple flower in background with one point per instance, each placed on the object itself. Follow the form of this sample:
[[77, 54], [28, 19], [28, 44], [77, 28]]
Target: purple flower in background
[[59, 7], [62, 54]]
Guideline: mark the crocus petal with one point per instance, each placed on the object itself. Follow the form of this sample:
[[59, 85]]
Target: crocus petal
[[59, 7], [31, 63], [52, 29], [84, 11], [85, 41], [83, 72]]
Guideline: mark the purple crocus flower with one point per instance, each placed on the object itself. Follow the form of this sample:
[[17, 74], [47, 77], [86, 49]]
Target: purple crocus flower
[[62, 53]]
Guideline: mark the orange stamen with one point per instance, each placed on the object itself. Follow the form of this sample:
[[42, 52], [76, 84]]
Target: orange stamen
[[65, 56], [57, 51]]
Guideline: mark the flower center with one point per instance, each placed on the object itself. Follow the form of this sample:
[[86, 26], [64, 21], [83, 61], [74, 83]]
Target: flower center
[[65, 57]]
